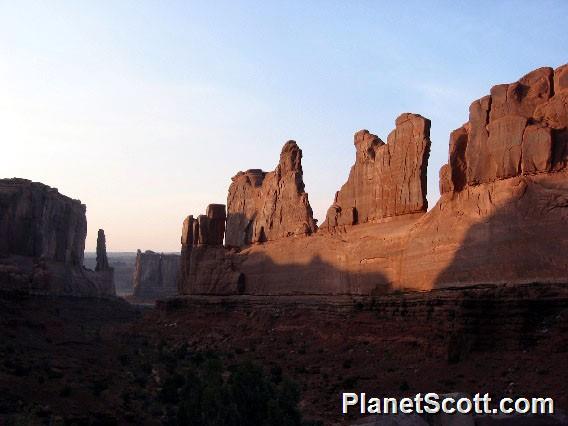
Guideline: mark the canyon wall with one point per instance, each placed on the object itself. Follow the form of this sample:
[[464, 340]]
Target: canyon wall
[[500, 219], [42, 242], [504, 204], [37, 221], [155, 275]]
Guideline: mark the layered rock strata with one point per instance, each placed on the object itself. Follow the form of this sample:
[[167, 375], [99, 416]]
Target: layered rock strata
[[265, 206], [501, 217], [155, 275], [42, 242]]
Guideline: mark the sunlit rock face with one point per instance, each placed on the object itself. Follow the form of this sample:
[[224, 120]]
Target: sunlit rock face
[[42, 242], [387, 179], [501, 217], [265, 206], [519, 129]]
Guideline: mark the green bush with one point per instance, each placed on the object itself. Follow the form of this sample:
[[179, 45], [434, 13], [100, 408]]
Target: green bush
[[211, 395]]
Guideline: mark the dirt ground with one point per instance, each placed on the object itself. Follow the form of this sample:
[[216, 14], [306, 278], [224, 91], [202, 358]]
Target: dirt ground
[[101, 361]]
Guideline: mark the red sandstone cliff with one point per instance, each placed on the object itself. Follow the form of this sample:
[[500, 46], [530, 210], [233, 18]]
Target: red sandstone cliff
[[205, 265], [387, 179], [501, 217], [265, 206], [504, 206], [519, 129]]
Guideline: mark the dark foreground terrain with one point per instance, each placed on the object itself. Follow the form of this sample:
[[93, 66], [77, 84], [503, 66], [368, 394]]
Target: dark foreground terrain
[[104, 361]]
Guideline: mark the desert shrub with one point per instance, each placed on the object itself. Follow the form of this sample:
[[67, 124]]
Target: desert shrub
[[210, 394]]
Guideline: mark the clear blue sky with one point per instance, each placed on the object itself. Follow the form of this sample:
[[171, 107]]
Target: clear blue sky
[[144, 110]]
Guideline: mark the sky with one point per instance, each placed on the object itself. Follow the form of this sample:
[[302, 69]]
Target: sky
[[144, 110]]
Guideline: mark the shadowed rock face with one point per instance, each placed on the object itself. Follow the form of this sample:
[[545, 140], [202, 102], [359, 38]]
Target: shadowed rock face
[[155, 275], [205, 265], [37, 221], [267, 206], [387, 179], [42, 242], [102, 259]]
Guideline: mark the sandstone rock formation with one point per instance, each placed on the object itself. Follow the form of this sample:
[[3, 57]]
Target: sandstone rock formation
[[37, 221], [519, 129], [387, 179], [504, 191], [265, 206], [122, 265], [206, 266], [102, 259], [155, 275], [42, 241], [501, 217]]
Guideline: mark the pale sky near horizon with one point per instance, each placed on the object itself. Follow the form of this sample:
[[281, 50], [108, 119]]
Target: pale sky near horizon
[[144, 110]]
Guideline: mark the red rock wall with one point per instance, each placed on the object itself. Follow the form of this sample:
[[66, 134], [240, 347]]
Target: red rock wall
[[42, 242], [267, 206], [519, 129], [387, 179], [155, 275], [205, 265], [501, 217], [37, 221]]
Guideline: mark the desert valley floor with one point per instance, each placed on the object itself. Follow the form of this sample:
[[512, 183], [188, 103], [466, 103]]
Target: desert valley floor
[[105, 361]]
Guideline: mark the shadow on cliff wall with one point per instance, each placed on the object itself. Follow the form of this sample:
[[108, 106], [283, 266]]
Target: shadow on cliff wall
[[524, 240], [260, 274]]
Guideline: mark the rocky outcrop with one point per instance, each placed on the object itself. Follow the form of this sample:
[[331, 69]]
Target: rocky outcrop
[[103, 270], [122, 265], [500, 219], [102, 259], [37, 221], [387, 179], [519, 129], [206, 266], [265, 206], [42, 242], [155, 275], [504, 191]]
